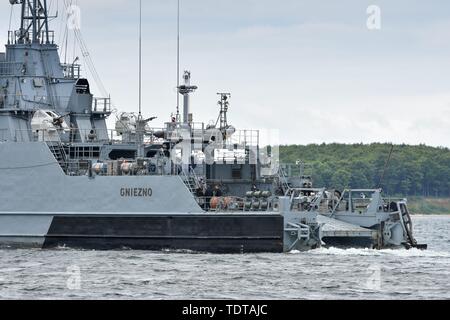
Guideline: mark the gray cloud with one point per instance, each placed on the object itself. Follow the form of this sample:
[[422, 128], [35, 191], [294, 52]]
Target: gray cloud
[[308, 68]]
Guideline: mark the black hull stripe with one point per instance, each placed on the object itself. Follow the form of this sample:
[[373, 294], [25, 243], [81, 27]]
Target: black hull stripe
[[211, 233], [73, 236]]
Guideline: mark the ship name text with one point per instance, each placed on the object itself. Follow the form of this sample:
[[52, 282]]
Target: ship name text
[[136, 192]]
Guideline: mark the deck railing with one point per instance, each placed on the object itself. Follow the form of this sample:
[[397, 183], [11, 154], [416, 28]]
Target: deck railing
[[15, 37], [102, 105], [11, 68], [99, 105], [71, 71]]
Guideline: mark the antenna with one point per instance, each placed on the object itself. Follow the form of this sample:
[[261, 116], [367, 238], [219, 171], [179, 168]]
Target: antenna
[[178, 62], [386, 165], [224, 105], [186, 90], [140, 59], [34, 20]]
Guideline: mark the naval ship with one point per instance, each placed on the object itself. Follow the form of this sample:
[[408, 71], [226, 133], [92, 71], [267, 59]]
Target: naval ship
[[66, 180]]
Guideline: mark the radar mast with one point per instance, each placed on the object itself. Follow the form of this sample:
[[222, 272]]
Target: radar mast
[[33, 22]]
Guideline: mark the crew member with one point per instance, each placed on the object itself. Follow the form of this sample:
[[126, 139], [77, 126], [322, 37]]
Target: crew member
[[208, 196], [217, 192]]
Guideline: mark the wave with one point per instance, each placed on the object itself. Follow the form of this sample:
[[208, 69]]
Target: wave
[[372, 252]]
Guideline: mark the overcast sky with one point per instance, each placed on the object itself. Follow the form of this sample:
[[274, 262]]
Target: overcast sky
[[311, 69]]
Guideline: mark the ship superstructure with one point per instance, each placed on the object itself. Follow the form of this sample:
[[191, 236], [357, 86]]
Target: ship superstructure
[[67, 180]]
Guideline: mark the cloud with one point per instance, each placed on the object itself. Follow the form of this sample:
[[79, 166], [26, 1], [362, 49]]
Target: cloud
[[308, 68]]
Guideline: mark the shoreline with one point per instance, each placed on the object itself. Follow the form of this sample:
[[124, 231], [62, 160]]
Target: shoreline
[[431, 215]]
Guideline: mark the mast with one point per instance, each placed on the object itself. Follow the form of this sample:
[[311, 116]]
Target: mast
[[34, 22], [141, 123], [186, 90], [140, 59], [178, 62], [224, 105]]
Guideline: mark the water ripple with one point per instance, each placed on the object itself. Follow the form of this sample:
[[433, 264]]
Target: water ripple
[[319, 274]]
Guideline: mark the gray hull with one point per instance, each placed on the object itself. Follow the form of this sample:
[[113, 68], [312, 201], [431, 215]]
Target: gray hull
[[42, 207], [46, 208]]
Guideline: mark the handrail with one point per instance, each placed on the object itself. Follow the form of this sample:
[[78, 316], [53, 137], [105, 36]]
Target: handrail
[[98, 104], [14, 37], [11, 68], [386, 201], [284, 180], [195, 177], [333, 212], [297, 170], [71, 71], [186, 180], [102, 105]]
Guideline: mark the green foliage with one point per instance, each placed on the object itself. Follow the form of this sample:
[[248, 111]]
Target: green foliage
[[412, 171], [422, 205]]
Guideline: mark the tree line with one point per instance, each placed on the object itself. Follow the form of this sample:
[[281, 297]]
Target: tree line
[[412, 170]]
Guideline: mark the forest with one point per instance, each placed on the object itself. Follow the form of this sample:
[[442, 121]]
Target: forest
[[401, 170]]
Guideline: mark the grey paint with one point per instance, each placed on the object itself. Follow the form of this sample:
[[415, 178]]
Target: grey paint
[[24, 230], [32, 181]]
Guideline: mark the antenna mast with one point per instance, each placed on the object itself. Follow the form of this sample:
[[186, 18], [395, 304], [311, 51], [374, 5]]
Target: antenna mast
[[178, 63], [224, 105], [386, 165], [34, 21], [140, 59]]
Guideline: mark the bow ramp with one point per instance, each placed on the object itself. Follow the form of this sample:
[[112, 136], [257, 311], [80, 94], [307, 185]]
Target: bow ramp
[[339, 233]]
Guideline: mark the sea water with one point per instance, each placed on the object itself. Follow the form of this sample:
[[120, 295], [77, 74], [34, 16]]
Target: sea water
[[319, 274]]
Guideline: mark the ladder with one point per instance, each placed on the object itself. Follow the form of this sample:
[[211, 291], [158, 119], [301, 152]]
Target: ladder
[[191, 181], [406, 221], [282, 177], [59, 153]]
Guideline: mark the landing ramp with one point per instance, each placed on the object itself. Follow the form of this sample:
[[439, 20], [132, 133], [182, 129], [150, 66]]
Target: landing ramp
[[333, 228]]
